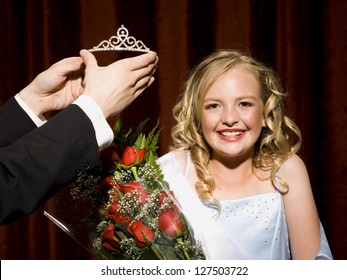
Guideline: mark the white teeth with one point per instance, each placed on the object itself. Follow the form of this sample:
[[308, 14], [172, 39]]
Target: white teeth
[[231, 134]]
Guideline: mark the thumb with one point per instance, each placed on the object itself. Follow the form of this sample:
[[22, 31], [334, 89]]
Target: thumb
[[68, 65], [88, 58]]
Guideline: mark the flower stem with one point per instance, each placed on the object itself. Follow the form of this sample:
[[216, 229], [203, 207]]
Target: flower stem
[[156, 252], [134, 171], [180, 241]]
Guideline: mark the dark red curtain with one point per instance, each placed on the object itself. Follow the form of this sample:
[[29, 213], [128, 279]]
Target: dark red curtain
[[304, 41]]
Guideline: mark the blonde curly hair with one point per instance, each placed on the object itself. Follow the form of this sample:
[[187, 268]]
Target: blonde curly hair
[[275, 142]]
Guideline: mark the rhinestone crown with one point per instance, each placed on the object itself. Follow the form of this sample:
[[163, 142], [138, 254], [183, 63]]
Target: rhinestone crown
[[121, 42]]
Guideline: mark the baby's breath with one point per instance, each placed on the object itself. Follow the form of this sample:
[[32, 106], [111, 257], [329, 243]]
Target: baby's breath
[[100, 227], [148, 173], [150, 211], [129, 249], [97, 243], [123, 176], [130, 204], [166, 204], [85, 186]]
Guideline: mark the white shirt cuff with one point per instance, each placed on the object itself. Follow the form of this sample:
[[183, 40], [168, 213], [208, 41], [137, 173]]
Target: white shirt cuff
[[38, 120], [103, 132]]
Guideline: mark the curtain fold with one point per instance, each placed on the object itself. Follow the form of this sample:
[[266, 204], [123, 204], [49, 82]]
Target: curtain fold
[[304, 41]]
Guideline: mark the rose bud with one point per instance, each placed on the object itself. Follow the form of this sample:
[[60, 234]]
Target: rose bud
[[143, 235], [132, 186], [170, 223], [109, 157], [131, 156], [110, 240]]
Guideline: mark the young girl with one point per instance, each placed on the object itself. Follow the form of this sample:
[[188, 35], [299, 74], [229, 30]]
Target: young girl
[[233, 165]]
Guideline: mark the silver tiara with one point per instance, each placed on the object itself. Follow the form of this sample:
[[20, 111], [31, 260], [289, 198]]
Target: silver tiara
[[121, 42]]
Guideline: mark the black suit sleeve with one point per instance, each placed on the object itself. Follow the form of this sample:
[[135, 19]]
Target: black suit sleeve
[[14, 123], [33, 167]]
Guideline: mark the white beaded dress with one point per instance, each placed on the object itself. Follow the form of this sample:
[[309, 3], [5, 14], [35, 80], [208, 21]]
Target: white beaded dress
[[248, 228]]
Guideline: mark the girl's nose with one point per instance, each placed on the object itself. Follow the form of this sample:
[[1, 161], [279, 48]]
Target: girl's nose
[[230, 117]]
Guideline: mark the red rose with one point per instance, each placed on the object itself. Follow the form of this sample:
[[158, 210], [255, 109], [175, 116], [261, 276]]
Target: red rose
[[142, 234], [110, 240], [106, 184], [132, 186], [113, 213], [109, 157], [131, 156], [170, 222]]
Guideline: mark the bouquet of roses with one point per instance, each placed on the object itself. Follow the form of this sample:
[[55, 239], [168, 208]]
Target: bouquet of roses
[[135, 215]]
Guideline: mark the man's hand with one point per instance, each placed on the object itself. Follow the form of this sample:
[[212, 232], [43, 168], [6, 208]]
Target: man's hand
[[115, 86], [55, 88]]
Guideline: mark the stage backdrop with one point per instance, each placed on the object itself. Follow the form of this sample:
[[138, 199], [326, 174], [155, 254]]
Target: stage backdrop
[[304, 41]]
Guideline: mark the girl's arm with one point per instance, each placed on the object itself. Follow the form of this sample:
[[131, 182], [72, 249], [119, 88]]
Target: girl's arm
[[300, 209]]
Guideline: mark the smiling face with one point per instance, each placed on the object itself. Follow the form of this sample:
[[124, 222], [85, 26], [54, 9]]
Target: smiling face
[[232, 114]]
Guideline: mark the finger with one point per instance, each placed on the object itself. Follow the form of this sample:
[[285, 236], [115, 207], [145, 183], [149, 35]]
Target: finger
[[142, 85], [72, 91], [142, 61], [67, 65], [151, 80], [144, 73], [146, 70], [145, 82], [88, 58]]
